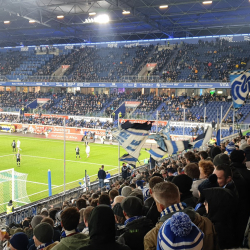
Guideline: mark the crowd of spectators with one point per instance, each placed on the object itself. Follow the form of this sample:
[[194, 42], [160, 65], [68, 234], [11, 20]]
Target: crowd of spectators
[[198, 199], [10, 60], [80, 104]]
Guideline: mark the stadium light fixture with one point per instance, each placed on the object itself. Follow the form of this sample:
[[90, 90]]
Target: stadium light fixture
[[104, 18], [92, 14], [207, 2], [6, 22], [60, 17], [32, 21], [219, 92], [125, 12], [163, 6]]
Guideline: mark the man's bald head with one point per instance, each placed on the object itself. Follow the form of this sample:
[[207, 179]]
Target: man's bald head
[[118, 199]]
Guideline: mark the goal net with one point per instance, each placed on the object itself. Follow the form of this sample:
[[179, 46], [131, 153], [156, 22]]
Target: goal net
[[13, 187]]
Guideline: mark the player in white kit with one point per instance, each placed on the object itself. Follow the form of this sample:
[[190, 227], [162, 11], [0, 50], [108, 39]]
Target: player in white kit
[[18, 144], [87, 150]]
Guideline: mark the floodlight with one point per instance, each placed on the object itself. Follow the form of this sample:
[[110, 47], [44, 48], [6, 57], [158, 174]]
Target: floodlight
[[6, 22], [104, 18], [125, 12], [60, 17], [207, 2], [163, 6]]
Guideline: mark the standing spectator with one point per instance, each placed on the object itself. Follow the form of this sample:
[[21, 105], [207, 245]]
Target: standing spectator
[[192, 170], [184, 183], [213, 125], [102, 230], [167, 198], [71, 238], [43, 236], [19, 241], [180, 231], [124, 171], [136, 225], [10, 207], [246, 148], [101, 176]]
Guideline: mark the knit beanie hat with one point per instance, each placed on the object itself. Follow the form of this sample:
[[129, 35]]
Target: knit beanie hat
[[215, 151], [139, 183], [221, 159], [36, 220], [230, 147], [19, 241], [183, 182], [126, 191], [237, 156], [117, 209], [132, 206], [179, 232], [208, 183], [44, 232]]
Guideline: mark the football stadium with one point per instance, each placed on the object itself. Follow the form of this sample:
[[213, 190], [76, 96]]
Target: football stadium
[[124, 125]]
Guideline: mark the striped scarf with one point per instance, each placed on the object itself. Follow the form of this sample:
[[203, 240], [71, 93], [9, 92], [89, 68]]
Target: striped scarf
[[174, 208]]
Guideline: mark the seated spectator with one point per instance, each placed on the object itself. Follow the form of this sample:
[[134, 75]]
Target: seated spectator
[[167, 198], [71, 239], [180, 231], [102, 230], [136, 225], [184, 183], [43, 236]]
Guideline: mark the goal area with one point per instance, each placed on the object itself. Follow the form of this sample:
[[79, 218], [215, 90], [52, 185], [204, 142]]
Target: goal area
[[13, 187]]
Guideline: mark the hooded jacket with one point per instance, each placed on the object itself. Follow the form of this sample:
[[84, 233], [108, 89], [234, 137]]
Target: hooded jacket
[[222, 207], [134, 233], [102, 230], [72, 242]]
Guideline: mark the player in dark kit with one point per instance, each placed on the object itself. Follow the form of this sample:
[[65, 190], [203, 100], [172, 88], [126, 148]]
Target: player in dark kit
[[13, 145], [18, 158], [77, 149]]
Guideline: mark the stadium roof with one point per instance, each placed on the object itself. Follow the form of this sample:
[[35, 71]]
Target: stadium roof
[[146, 20]]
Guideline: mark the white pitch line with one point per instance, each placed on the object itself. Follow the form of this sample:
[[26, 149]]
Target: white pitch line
[[6, 155], [38, 183], [57, 141], [67, 160]]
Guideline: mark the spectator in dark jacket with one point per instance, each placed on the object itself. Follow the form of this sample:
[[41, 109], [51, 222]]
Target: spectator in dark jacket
[[124, 171], [221, 209], [101, 176], [136, 225], [184, 183], [102, 230]]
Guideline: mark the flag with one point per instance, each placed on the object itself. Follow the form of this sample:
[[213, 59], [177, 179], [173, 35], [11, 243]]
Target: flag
[[166, 131], [175, 146], [156, 153], [129, 159], [218, 130], [240, 84], [202, 139], [132, 137], [160, 141]]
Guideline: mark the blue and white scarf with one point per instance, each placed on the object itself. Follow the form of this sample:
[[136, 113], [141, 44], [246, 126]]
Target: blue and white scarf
[[174, 208]]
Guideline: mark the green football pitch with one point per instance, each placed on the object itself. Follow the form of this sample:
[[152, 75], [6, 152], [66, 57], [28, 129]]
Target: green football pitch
[[40, 154]]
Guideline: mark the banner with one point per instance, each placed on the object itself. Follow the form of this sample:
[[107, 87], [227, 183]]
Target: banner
[[240, 87], [42, 100], [7, 127], [132, 104], [68, 137]]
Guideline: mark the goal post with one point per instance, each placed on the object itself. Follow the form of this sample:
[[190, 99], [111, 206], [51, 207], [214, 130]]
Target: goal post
[[13, 187]]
